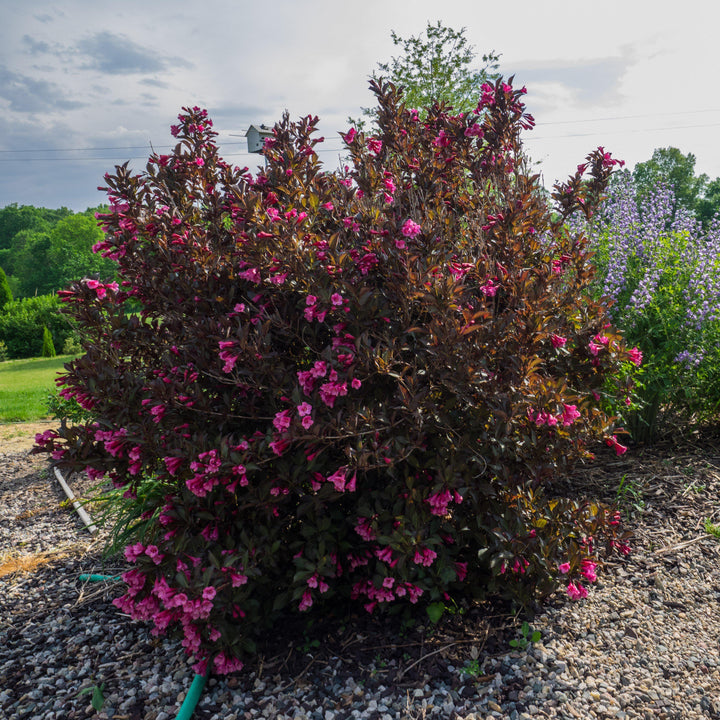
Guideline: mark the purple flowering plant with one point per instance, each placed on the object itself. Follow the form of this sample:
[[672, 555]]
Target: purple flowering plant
[[660, 270], [313, 388]]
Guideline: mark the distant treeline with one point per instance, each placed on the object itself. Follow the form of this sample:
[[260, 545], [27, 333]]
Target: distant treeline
[[43, 250]]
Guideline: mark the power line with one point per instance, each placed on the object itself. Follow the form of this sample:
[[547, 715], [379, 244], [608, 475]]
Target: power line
[[102, 149], [144, 158], [620, 132], [626, 117]]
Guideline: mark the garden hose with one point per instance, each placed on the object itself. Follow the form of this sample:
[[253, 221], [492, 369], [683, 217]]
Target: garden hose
[[198, 684]]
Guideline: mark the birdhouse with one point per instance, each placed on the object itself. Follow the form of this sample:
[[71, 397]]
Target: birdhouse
[[256, 137]]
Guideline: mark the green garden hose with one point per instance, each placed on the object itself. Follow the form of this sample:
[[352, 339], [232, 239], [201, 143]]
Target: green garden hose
[[198, 684]]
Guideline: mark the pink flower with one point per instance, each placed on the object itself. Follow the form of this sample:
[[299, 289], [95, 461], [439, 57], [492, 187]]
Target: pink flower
[[350, 135], [154, 554], [411, 229], [588, 570], [474, 131], [229, 359], [282, 420], [374, 145], [336, 299], [558, 341], [306, 602], [355, 384], [564, 568], [400, 244], [442, 140], [307, 422], [279, 446], [425, 558], [173, 464], [439, 502], [304, 408], [570, 415], [363, 529], [635, 356], [237, 580], [613, 443], [489, 289], [576, 591], [133, 552], [594, 348], [338, 479]]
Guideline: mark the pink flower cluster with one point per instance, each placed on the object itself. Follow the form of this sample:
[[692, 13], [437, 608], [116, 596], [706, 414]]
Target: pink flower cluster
[[340, 481], [568, 416], [113, 440], [312, 310], [205, 468], [613, 443], [389, 590], [228, 357], [440, 500], [101, 289], [425, 557], [364, 530], [635, 356], [411, 229]]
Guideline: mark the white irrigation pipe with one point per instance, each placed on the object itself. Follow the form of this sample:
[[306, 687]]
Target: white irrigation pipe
[[76, 504]]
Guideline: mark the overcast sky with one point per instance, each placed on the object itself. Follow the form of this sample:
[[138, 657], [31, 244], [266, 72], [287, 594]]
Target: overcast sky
[[87, 85]]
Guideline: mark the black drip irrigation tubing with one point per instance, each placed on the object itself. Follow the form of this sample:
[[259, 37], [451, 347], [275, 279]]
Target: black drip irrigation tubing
[[198, 684]]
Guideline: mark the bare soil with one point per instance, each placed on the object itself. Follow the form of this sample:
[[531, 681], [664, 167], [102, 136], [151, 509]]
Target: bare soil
[[20, 437]]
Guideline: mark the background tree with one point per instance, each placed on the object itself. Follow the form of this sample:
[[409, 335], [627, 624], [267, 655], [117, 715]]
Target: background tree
[[5, 292], [709, 204], [436, 66], [45, 250], [669, 165]]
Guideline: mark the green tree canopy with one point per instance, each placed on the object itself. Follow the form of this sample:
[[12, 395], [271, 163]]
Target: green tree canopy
[[669, 165], [5, 292], [13, 219], [49, 249], [436, 66]]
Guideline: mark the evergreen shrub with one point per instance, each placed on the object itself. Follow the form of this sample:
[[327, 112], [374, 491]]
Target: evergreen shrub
[[356, 386], [48, 349]]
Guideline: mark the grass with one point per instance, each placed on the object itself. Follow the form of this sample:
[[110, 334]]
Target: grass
[[24, 387]]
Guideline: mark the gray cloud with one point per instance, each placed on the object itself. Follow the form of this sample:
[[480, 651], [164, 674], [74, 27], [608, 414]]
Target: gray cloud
[[35, 47], [234, 114], [28, 95], [153, 82], [118, 55], [594, 81]]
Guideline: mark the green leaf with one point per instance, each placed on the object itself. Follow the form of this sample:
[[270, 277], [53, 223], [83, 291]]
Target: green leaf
[[435, 612], [98, 699], [535, 637]]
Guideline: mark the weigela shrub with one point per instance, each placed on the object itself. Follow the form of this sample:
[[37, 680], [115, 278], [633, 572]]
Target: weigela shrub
[[344, 386]]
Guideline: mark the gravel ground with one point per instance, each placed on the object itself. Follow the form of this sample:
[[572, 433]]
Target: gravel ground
[[644, 644]]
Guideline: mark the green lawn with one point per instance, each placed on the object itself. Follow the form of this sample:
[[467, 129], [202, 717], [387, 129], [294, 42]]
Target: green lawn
[[24, 387]]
